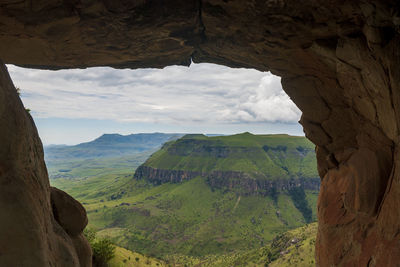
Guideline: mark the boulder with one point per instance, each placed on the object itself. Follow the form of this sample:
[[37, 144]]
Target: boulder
[[68, 212]]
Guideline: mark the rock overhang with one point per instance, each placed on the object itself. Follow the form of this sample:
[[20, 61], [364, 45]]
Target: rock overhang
[[339, 62]]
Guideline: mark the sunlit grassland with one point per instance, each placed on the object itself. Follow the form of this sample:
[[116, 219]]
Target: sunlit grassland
[[188, 218]]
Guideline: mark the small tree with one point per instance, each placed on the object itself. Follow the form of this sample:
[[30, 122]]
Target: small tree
[[103, 249]]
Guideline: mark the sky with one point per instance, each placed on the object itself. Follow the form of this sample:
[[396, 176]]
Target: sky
[[78, 105]]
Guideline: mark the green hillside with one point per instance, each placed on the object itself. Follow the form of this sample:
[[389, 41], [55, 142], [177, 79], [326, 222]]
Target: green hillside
[[186, 219], [127, 258], [218, 211], [293, 248], [259, 156]]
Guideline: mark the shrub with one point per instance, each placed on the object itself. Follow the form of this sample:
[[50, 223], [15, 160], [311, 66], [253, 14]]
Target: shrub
[[103, 249], [90, 235]]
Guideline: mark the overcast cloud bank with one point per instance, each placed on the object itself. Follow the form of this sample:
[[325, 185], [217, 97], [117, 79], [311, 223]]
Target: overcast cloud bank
[[202, 93]]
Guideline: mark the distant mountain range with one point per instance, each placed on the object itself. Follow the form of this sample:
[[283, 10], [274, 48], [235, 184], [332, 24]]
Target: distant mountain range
[[109, 145]]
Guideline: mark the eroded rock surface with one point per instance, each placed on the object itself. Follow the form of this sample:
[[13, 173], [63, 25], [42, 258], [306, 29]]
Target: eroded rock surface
[[339, 62], [227, 180], [30, 234]]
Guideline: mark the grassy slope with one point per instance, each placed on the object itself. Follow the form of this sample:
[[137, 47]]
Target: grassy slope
[[301, 254], [187, 218], [286, 156], [127, 258], [293, 248]]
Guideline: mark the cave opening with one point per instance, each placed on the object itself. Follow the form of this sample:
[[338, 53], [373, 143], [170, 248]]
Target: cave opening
[[74, 109], [338, 61]]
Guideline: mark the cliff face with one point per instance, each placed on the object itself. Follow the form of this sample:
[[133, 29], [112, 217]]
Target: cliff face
[[160, 176], [227, 180], [254, 156], [243, 163], [39, 226], [246, 185], [339, 62]]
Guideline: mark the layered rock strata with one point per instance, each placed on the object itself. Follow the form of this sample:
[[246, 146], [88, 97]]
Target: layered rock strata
[[160, 176], [228, 180], [245, 185], [339, 62]]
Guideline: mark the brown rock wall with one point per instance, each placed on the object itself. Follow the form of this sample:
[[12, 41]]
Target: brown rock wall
[[160, 176], [229, 180], [339, 62], [29, 233]]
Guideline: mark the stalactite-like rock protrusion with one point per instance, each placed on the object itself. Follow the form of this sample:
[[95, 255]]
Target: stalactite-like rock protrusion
[[339, 62]]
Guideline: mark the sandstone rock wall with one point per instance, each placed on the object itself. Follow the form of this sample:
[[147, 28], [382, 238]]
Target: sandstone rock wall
[[248, 186], [228, 180], [39, 225], [159, 176], [339, 62]]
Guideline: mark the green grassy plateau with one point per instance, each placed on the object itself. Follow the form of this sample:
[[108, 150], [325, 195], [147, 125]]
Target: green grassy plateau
[[262, 156], [192, 223]]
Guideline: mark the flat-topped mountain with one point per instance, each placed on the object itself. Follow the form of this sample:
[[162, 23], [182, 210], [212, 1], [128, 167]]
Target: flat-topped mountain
[[245, 163], [109, 145], [199, 195]]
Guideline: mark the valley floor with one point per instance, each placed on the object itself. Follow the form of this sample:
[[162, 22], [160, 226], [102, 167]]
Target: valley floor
[[189, 224], [294, 248]]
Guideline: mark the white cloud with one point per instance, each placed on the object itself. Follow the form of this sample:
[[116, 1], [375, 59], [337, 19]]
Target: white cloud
[[202, 93]]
